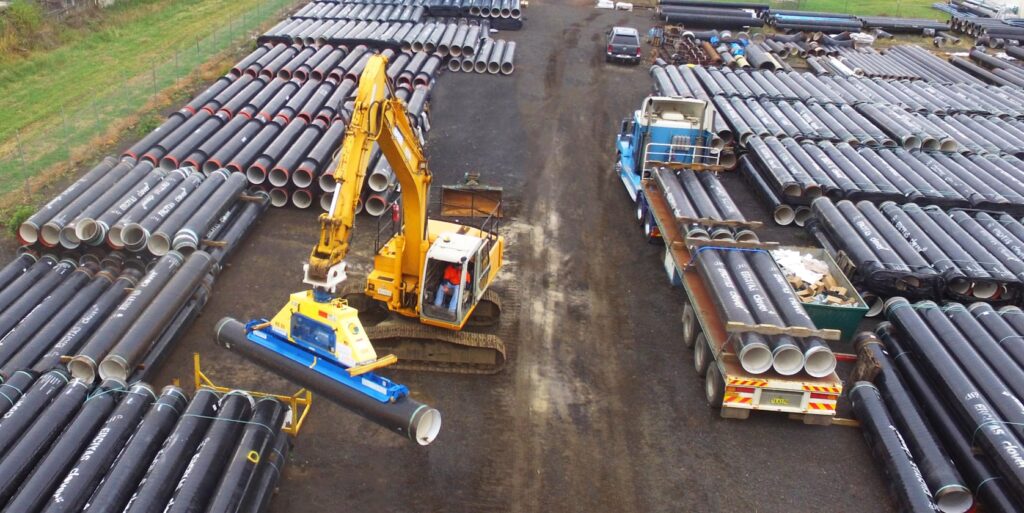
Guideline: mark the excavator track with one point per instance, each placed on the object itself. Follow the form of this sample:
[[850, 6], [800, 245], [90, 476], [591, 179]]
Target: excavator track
[[487, 312], [429, 348]]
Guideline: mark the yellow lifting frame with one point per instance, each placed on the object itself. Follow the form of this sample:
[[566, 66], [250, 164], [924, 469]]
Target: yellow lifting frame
[[300, 402]]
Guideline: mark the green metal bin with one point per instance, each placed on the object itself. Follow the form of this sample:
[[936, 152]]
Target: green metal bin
[[843, 318]]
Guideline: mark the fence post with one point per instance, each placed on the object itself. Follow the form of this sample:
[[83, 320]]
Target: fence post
[[64, 124]]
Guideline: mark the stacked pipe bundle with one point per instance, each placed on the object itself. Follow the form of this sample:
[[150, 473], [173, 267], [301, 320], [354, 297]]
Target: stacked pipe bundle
[[925, 252], [992, 28], [902, 25], [278, 118], [360, 12], [972, 97], [898, 62], [748, 288], [803, 171], [55, 308], [134, 207], [792, 21], [1008, 73], [964, 385], [69, 445], [443, 38], [710, 15], [702, 206]]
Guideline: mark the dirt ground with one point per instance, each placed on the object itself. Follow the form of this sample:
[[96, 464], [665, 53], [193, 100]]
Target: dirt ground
[[599, 408]]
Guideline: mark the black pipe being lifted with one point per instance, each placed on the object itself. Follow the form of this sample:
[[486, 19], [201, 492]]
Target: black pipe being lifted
[[989, 487], [117, 486], [406, 416], [939, 473], [904, 476]]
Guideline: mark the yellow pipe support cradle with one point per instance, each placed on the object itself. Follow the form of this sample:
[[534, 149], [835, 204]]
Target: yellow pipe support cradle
[[300, 402]]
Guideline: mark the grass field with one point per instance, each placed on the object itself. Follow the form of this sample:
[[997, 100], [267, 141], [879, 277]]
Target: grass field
[[57, 107]]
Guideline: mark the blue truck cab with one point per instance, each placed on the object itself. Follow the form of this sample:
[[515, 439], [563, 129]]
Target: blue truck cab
[[665, 131]]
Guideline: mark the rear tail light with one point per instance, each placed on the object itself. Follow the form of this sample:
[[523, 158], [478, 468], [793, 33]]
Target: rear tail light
[[828, 397], [609, 48], [638, 51]]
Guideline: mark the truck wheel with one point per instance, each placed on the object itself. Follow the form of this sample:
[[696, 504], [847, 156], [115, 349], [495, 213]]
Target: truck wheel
[[649, 227], [689, 325], [701, 354], [641, 209], [714, 387]]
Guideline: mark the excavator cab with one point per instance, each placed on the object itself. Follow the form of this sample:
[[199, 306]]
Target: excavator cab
[[465, 254]]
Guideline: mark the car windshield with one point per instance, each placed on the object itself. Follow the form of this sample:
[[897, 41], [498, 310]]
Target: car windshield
[[623, 39]]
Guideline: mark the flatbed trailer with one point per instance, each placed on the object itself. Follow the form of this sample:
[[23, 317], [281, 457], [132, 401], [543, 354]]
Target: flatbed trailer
[[727, 386]]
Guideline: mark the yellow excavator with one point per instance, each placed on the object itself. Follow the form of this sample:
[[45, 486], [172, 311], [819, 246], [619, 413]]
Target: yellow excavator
[[422, 259]]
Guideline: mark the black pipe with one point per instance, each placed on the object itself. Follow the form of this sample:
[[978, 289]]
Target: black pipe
[[93, 232], [26, 280], [118, 483], [48, 320], [240, 471], [752, 348], [135, 236], [28, 231], [231, 147], [12, 389], [990, 488], [172, 123], [781, 213], [72, 338], [49, 282], [16, 268], [135, 342], [714, 20], [19, 459], [115, 194], [84, 364], [943, 480], [160, 242], [96, 458], [28, 406], [195, 487], [987, 428], [174, 330], [249, 149], [50, 232], [142, 207], [264, 483], [787, 356], [970, 245], [52, 468], [156, 488], [904, 476], [233, 234], [405, 416]]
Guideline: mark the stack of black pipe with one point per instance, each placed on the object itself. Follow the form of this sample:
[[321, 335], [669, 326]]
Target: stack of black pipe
[[701, 204], [720, 15], [925, 252], [749, 289], [68, 446], [951, 386], [51, 308]]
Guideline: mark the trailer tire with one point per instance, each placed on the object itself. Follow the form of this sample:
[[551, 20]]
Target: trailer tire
[[649, 234], [689, 325], [714, 387], [701, 354]]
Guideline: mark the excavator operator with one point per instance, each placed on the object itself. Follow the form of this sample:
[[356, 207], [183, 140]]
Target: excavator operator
[[450, 285]]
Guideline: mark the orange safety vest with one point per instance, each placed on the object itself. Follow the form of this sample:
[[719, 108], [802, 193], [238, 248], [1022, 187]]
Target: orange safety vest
[[453, 275]]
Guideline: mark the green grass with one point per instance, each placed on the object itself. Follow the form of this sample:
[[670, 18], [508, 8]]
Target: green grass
[[895, 8], [56, 105]]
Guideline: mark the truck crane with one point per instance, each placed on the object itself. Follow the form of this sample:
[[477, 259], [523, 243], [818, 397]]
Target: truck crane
[[407, 269]]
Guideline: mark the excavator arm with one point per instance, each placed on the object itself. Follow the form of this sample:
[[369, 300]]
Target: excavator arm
[[377, 118]]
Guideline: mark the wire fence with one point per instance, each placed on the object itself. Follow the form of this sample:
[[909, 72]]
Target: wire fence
[[124, 111]]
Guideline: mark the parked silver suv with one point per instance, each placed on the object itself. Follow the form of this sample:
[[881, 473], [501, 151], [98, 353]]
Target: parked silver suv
[[623, 45]]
